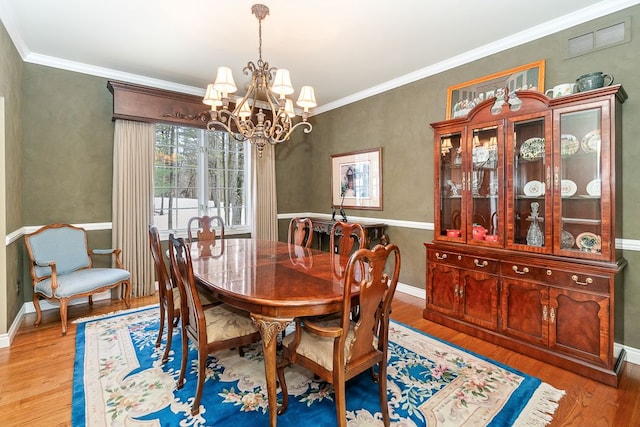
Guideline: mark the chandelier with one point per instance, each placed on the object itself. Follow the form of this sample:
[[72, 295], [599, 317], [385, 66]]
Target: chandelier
[[264, 115]]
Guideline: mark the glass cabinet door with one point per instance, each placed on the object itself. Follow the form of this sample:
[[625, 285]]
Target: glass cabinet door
[[529, 206], [451, 212], [581, 183], [485, 185]]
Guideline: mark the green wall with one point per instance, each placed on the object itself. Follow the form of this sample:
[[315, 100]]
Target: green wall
[[398, 121], [68, 147], [11, 70], [68, 153]]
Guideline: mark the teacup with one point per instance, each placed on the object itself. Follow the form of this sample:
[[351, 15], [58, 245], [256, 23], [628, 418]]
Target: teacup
[[561, 90], [452, 232], [479, 232], [593, 81]]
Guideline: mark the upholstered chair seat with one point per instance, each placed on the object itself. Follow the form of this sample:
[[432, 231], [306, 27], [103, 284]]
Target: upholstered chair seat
[[319, 348], [224, 322], [90, 280]]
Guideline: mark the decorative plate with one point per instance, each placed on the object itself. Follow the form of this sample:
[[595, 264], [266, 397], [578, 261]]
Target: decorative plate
[[532, 149], [588, 242], [480, 154], [566, 240], [593, 187], [568, 188], [591, 142], [569, 145], [533, 188]]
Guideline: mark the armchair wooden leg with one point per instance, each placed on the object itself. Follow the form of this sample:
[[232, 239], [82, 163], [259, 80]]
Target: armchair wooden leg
[[127, 293], [36, 304], [63, 314]]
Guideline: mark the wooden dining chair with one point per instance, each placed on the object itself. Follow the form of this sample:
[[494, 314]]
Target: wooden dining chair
[[337, 350], [215, 328], [300, 232], [345, 239], [205, 230], [168, 293]]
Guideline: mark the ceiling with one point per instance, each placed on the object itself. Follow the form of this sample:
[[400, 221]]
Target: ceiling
[[346, 49]]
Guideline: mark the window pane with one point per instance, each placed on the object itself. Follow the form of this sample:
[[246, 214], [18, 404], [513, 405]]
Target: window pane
[[178, 180]]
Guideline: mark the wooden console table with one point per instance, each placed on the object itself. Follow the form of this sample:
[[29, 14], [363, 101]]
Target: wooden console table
[[373, 231]]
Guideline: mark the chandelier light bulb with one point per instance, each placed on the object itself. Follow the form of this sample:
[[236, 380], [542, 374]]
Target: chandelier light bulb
[[282, 83], [224, 82], [212, 97], [307, 98]]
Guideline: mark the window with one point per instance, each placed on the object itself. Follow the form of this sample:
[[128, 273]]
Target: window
[[199, 172]]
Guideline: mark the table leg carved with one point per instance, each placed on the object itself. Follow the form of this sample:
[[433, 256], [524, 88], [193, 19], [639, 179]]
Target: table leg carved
[[270, 328]]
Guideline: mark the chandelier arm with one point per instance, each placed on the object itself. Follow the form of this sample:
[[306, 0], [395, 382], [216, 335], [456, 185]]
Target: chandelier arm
[[308, 129], [218, 125]]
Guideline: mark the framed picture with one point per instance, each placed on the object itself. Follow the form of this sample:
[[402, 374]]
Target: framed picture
[[462, 97], [356, 179]]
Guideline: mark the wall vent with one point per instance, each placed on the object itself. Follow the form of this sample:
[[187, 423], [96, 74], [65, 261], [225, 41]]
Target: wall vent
[[602, 38]]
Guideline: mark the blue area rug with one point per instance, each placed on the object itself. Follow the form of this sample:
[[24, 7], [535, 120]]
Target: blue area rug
[[119, 381]]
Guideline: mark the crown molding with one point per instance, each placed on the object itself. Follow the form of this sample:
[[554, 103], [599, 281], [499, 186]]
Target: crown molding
[[561, 23]]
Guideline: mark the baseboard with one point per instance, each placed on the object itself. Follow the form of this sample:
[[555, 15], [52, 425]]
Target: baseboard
[[633, 354], [28, 307]]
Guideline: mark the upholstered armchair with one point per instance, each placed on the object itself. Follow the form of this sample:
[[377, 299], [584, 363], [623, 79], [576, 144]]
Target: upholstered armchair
[[61, 268]]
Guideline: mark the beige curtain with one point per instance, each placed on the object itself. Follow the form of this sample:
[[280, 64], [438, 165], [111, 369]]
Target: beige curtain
[[133, 160], [263, 187]]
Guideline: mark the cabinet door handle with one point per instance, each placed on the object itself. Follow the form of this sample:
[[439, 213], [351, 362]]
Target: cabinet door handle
[[455, 291], [443, 256], [461, 292], [556, 177], [524, 270], [553, 315], [480, 264], [585, 283], [544, 313]]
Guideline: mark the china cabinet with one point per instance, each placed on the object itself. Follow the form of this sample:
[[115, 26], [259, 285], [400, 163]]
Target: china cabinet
[[527, 211]]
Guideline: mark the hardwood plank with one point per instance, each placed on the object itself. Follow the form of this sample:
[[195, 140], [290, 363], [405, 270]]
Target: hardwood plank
[[36, 372]]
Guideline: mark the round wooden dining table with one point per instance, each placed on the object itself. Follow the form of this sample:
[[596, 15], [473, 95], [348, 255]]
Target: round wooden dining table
[[275, 282]]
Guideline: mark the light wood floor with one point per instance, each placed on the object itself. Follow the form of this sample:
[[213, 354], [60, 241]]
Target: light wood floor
[[36, 372]]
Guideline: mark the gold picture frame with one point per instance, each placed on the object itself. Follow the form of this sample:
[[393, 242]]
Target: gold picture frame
[[461, 98], [356, 179]]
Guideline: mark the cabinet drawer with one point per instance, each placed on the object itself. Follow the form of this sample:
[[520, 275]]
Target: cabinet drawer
[[445, 257], [470, 262], [557, 277], [580, 280]]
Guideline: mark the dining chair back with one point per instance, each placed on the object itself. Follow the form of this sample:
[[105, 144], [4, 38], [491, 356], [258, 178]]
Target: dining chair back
[[337, 350], [345, 239], [204, 230], [217, 327], [168, 292], [300, 232]]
